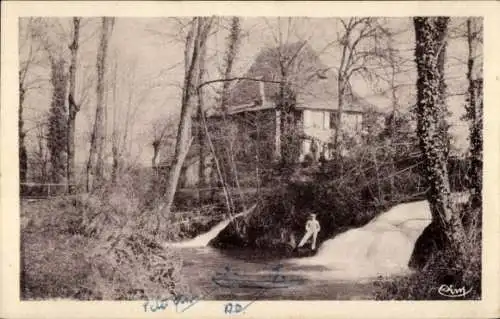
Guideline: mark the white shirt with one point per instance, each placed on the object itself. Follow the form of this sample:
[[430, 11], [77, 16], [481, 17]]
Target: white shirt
[[313, 225]]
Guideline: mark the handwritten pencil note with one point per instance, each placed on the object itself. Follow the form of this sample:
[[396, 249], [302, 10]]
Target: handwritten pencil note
[[232, 279]]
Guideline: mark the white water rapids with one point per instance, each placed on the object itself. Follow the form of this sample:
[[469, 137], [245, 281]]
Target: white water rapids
[[381, 247], [203, 239]]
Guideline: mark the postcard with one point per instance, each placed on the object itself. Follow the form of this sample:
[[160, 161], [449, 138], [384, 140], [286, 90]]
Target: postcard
[[251, 159]]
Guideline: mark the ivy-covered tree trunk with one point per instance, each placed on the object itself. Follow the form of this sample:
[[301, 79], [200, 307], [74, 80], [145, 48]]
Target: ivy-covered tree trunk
[[432, 129], [474, 113], [73, 107], [476, 141], [57, 137]]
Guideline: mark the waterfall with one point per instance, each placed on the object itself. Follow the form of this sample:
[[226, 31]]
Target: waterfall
[[381, 247], [203, 239]]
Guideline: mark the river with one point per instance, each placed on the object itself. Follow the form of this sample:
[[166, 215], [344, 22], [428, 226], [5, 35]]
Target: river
[[344, 267], [201, 264]]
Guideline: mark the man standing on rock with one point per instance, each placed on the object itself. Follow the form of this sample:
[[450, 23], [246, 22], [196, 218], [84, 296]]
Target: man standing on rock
[[312, 229]]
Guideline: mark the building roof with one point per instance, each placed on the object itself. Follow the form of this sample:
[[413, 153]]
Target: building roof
[[314, 84]]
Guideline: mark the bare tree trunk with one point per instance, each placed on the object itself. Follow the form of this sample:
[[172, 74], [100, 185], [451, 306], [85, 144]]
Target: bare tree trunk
[[40, 155], [114, 135], [73, 107], [228, 165], [115, 166], [337, 143], [232, 51], [57, 139], [201, 146], [159, 136], [432, 128], [156, 150], [23, 154], [229, 202], [356, 32], [342, 79], [393, 65], [200, 132], [23, 71], [95, 162], [194, 46], [474, 114]]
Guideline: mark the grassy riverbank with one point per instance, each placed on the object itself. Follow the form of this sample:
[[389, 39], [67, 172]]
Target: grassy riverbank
[[104, 247]]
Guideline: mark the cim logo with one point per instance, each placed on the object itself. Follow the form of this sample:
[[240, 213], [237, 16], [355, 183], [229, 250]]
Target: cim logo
[[452, 292]]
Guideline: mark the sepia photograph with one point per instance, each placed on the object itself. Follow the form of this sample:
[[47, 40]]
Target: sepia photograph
[[178, 159]]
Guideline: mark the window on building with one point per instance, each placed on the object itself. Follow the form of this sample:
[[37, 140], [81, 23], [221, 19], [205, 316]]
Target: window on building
[[359, 122], [320, 119], [326, 120], [333, 119], [316, 119]]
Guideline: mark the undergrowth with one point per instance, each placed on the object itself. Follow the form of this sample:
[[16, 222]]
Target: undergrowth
[[104, 246]]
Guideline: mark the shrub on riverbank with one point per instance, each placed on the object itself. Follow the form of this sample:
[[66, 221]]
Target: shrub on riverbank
[[104, 246], [67, 254]]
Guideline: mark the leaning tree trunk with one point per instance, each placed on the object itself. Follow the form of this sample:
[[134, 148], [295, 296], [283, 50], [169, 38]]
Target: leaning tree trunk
[[226, 155], [95, 162], [73, 107], [432, 128], [194, 46], [57, 122]]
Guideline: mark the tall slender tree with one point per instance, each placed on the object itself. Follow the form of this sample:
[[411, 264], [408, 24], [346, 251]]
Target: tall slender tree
[[97, 143], [233, 44], [48, 34], [432, 129], [195, 43], [359, 46], [43, 31], [57, 138], [115, 141], [23, 154], [26, 43], [228, 167], [474, 110], [73, 106], [200, 110]]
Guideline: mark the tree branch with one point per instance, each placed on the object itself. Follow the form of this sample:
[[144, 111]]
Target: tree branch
[[236, 79]]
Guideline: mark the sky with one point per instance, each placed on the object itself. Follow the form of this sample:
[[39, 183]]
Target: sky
[[148, 53]]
